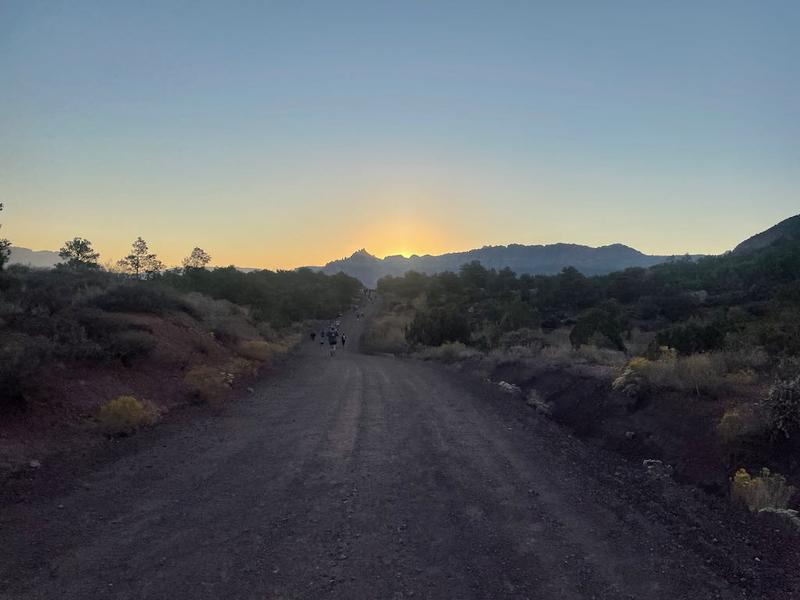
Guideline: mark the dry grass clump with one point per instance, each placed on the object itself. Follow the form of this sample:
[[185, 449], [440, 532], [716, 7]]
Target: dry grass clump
[[765, 490], [240, 367], [742, 377], [698, 373], [258, 350], [746, 358], [512, 355], [449, 352], [126, 414], [639, 341], [784, 406], [745, 420], [526, 337], [387, 334], [209, 384], [600, 356]]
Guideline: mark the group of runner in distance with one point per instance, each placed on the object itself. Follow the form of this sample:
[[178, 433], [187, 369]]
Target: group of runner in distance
[[332, 334]]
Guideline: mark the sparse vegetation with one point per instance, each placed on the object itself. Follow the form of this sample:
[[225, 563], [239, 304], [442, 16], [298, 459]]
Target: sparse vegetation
[[784, 406], [256, 350], [684, 350], [765, 490], [125, 414], [449, 352], [208, 383], [80, 315]]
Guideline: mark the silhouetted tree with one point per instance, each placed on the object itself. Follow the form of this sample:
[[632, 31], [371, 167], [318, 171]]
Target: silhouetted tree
[[198, 259], [141, 263], [78, 253], [5, 247]]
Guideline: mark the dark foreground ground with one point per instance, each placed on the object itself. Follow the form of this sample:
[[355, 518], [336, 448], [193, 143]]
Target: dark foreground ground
[[363, 477]]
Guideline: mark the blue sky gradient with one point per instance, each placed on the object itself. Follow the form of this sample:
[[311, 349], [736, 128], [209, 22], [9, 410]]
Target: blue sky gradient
[[285, 133]]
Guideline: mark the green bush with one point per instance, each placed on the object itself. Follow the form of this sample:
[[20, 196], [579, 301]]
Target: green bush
[[438, 326], [784, 406], [142, 297], [692, 338], [21, 358], [128, 346], [605, 322]]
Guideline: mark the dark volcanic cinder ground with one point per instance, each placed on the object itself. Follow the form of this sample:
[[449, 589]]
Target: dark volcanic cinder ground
[[363, 477]]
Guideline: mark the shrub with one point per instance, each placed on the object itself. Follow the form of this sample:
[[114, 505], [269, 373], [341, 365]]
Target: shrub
[[386, 334], [129, 345], [509, 356], [207, 383], [233, 330], [204, 344], [240, 367], [698, 373], [438, 326], [267, 331], [692, 337], [742, 377], [604, 322], [142, 297], [527, 337], [126, 414], [601, 356], [449, 353], [256, 350], [766, 490], [746, 358], [21, 358], [742, 421], [783, 401]]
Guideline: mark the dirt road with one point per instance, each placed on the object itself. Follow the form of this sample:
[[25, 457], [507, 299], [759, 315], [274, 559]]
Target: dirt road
[[362, 477]]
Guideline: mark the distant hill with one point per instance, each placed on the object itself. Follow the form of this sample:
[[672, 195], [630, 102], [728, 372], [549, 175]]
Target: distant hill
[[540, 260], [787, 229], [34, 258]]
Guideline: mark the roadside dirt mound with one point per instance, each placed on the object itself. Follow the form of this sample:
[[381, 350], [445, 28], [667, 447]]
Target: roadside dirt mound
[[678, 428], [60, 415]]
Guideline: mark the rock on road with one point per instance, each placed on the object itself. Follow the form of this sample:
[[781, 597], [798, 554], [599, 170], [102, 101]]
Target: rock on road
[[359, 477]]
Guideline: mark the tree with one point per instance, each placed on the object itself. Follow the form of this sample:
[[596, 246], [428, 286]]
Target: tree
[[141, 263], [79, 254], [198, 259], [605, 320], [5, 248]]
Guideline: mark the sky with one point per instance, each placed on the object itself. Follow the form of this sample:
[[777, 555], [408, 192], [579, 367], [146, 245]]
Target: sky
[[280, 134]]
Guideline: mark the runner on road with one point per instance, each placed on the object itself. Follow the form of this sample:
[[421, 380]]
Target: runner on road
[[332, 341]]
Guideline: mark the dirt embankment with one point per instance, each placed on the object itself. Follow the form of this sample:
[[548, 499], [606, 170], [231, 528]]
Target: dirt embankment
[[188, 362], [678, 428]]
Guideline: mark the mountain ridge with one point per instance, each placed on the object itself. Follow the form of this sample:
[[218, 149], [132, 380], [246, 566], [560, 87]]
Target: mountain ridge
[[43, 259], [786, 229], [538, 259]]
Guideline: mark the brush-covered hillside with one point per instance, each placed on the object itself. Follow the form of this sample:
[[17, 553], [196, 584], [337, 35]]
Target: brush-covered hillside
[[83, 349], [693, 362]]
